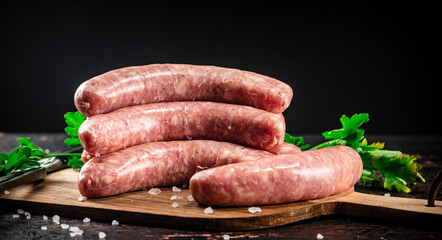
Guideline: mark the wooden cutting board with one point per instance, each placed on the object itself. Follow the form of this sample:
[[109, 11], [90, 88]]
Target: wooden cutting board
[[58, 194]]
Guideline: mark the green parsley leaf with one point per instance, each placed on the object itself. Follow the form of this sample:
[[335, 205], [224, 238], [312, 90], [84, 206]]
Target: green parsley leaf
[[75, 163], [369, 177], [398, 170], [74, 121], [297, 141], [35, 150]]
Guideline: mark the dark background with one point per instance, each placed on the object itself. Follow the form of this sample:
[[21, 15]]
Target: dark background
[[339, 59]]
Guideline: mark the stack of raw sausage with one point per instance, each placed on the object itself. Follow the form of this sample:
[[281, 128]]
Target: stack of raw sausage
[[160, 124]]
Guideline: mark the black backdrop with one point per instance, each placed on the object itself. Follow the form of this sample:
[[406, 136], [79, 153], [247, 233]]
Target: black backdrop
[[339, 59]]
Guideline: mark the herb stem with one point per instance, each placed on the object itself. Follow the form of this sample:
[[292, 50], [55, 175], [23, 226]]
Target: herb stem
[[64, 155]]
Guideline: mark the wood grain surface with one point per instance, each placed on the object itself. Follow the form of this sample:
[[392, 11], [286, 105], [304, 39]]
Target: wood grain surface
[[58, 194]]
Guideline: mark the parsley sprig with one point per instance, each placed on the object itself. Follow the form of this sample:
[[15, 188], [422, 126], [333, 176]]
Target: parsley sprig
[[28, 156], [399, 171]]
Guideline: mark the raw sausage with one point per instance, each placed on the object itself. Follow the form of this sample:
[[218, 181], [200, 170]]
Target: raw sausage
[[180, 82], [279, 179], [158, 164], [129, 126], [284, 148]]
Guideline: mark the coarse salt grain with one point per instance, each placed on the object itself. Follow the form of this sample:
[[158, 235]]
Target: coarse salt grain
[[101, 235], [86, 220], [226, 237], [208, 210], [319, 236], [175, 189], [115, 223], [56, 219], [15, 216], [254, 209], [27, 214], [64, 226], [28, 217], [190, 198], [387, 194], [175, 205], [7, 192], [20, 211], [154, 191], [78, 232], [81, 198], [73, 229], [45, 217], [44, 228], [175, 197]]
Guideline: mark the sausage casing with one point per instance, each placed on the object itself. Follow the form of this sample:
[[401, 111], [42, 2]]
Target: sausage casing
[[129, 126], [279, 179], [180, 82], [158, 164]]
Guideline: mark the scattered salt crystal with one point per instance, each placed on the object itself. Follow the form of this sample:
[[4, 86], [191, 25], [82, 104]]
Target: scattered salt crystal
[[15, 216], [175, 189], [154, 191], [319, 236], [56, 219], [20, 211], [45, 217], [254, 209], [47, 150], [44, 228], [27, 214], [73, 229], [115, 223], [96, 155], [101, 235], [86, 220], [387, 194], [28, 217], [226, 237], [190, 198], [79, 232], [7, 192], [64, 226], [175, 204], [208, 210], [80, 198], [175, 197]]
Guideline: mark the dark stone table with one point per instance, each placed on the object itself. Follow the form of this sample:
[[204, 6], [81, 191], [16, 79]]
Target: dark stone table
[[428, 149]]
